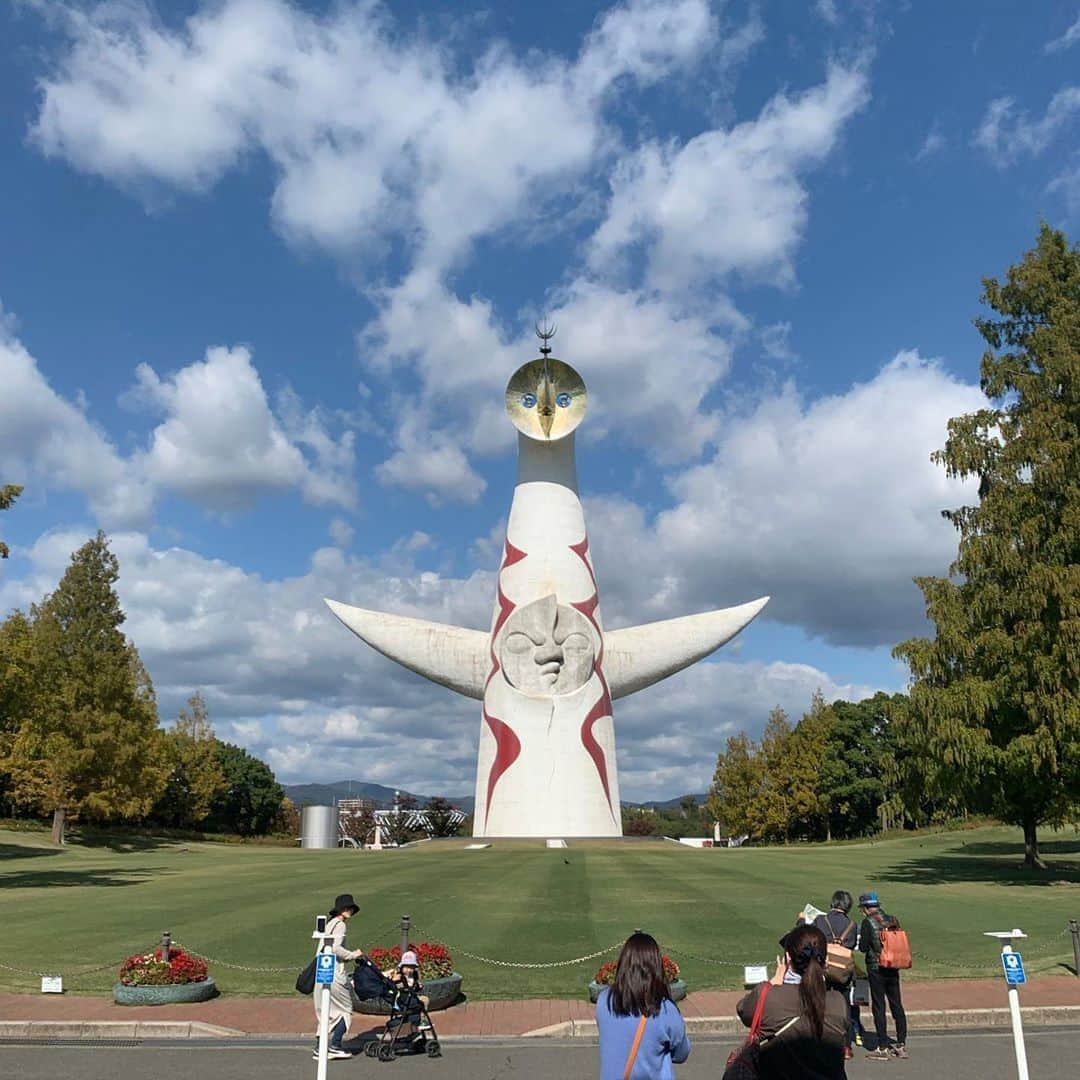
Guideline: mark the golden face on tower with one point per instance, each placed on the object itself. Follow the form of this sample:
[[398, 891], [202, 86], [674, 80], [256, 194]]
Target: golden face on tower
[[546, 399]]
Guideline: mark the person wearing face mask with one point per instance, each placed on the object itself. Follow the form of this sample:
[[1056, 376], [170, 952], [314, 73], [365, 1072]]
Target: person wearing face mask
[[804, 1021]]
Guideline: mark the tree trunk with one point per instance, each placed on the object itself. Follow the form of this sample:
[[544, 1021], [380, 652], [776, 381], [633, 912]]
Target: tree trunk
[[59, 819], [1031, 846]]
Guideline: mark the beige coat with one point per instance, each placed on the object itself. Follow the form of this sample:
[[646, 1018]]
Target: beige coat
[[340, 996]]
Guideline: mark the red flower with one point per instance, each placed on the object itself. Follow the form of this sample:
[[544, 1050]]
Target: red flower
[[150, 969]]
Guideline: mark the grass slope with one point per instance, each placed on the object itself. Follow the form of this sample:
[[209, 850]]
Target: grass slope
[[90, 904]]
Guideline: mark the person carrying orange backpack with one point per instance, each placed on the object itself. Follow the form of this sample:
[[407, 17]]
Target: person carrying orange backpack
[[874, 934]]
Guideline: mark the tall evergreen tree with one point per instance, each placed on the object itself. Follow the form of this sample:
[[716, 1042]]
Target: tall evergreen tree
[[18, 690], [90, 745], [195, 775], [736, 786], [995, 695]]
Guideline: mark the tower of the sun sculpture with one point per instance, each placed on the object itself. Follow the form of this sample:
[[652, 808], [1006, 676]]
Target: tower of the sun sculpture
[[546, 672]]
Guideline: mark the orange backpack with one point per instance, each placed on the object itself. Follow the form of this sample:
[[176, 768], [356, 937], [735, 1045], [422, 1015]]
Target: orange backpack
[[895, 947]]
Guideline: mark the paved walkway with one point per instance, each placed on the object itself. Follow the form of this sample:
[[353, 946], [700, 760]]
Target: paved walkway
[[295, 1015]]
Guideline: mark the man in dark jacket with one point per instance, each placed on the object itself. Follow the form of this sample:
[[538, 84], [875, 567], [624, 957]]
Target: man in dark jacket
[[884, 982], [838, 929]]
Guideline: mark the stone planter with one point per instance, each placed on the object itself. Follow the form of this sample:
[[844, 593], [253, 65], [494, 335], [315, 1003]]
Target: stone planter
[[442, 992], [179, 994], [676, 989]]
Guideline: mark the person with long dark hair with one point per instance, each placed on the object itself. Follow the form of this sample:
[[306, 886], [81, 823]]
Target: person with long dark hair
[[804, 1021], [642, 1033]]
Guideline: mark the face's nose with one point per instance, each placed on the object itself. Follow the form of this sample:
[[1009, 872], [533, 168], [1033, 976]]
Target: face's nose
[[549, 653], [545, 405]]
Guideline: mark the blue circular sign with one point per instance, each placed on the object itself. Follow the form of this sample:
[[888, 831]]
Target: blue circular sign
[[528, 400], [563, 401]]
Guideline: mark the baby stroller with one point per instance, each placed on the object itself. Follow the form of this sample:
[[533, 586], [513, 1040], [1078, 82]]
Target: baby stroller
[[408, 1028]]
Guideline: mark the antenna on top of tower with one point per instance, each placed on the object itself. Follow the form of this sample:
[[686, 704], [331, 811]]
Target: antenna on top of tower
[[545, 333]]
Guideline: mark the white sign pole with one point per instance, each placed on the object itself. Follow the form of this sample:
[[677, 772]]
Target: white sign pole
[[1006, 938], [326, 946]]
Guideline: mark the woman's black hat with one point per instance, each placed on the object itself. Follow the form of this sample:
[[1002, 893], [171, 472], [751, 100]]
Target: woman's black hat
[[344, 902]]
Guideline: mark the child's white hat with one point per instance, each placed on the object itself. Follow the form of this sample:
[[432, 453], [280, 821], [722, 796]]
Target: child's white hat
[[408, 958]]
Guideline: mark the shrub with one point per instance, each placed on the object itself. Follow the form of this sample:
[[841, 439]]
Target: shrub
[[151, 969], [435, 959], [605, 976]]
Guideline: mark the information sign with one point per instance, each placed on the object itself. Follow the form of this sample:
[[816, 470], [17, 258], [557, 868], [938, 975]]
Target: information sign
[[324, 969], [1013, 963]]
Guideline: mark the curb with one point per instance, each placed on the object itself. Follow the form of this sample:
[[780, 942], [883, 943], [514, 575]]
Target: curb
[[115, 1029], [921, 1020]]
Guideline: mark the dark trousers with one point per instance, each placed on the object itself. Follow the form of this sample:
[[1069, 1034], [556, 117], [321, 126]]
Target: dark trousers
[[885, 983], [337, 1033]]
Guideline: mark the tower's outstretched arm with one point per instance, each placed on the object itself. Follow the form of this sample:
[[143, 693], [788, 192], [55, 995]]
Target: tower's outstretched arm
[[449, 655], [639, 656]]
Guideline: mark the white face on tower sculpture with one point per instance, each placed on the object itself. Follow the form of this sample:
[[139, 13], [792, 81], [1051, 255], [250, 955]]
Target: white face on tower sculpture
[[546, 671]]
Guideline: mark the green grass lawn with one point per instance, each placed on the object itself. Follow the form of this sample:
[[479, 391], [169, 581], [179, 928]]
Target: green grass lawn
[[96, 902]]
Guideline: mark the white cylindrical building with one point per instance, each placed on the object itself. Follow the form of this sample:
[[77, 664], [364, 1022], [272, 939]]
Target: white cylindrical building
[[319, 827]]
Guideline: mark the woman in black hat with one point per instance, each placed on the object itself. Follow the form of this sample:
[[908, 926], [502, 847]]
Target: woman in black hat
[[340, 998]]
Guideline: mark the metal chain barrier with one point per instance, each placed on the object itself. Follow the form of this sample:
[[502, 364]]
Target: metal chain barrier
[[393, 932], [70, 975], [535, 967]]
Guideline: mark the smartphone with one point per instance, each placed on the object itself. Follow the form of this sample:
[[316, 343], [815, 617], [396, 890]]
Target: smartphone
[[320, 924]]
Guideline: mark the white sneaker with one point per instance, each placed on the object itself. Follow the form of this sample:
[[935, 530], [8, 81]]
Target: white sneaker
[[337, 1054]]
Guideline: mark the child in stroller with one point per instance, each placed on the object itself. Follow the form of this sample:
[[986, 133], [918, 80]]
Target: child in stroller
[[408, 1029]]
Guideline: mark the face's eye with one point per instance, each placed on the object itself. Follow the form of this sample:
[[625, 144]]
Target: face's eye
[[528, 400], [563, 401]]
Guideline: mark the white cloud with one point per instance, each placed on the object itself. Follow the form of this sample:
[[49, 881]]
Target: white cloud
[[728, 201], [372, 132], [341, 532], [221, 444], [829, 506], [668, 735], [827, 10], [934, 143], [1007, 134], [1066, 41], [48, 442]]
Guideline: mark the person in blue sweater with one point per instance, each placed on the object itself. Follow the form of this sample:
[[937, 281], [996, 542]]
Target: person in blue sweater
[[642, 1034]]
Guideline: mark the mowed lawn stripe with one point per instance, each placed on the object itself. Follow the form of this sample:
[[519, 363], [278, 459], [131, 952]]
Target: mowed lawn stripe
[[253, 905]]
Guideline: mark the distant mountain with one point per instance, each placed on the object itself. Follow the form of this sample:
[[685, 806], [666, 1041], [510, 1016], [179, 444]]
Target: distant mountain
[[381, 796], [667, 804]]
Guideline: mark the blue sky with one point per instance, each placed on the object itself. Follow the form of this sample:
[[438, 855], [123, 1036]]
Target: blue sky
[[265, 269]]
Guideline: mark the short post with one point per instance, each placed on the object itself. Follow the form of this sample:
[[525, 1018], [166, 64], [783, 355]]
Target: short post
[[166, 944], [324, 947], [406, 923], [1074, 929], [1006, 937]]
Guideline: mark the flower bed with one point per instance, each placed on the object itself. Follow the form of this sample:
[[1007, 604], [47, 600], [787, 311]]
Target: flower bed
[[605, 976], [150, 979], [442, 985]]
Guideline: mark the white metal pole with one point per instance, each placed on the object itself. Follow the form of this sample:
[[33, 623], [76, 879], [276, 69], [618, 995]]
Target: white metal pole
[[323, 990], [1017, 1025]]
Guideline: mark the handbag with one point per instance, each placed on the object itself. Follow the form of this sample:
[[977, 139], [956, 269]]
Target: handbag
[[634, 1048], [742, 1064], [305, 981]]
